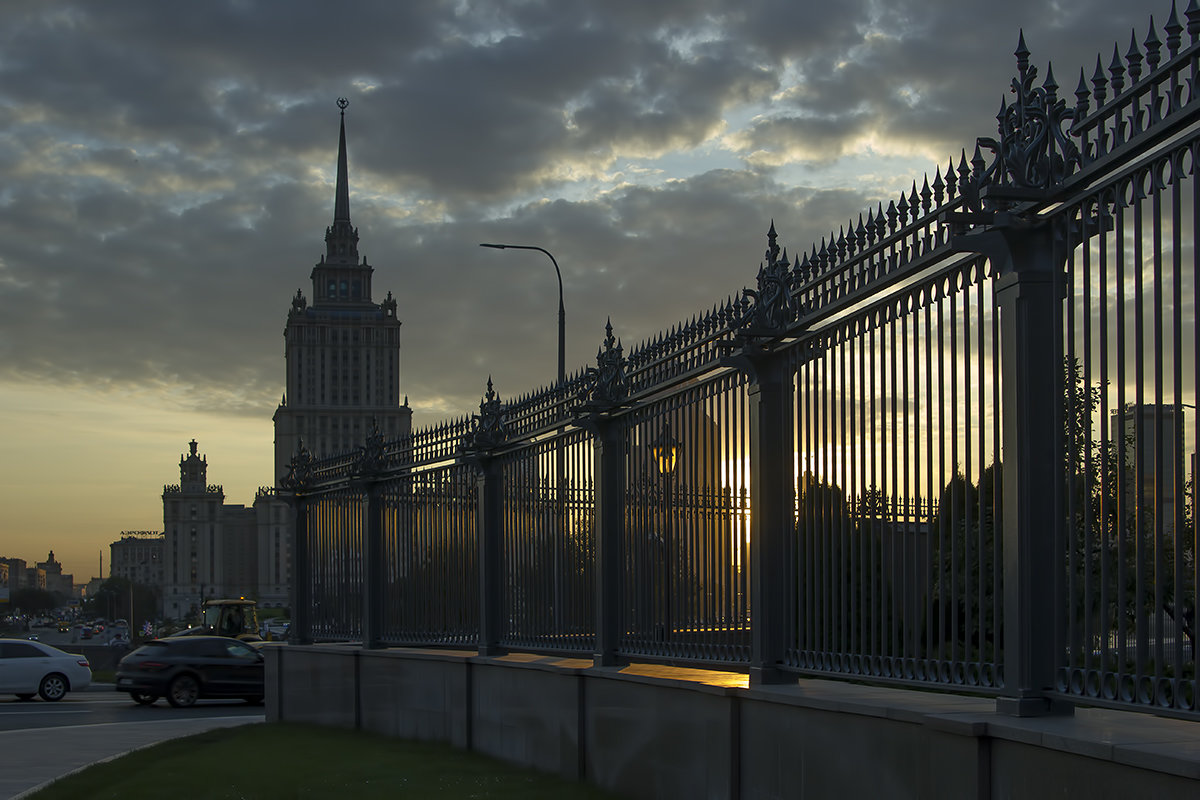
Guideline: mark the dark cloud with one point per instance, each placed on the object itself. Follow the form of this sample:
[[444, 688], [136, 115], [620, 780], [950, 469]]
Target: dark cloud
[[165, 170]]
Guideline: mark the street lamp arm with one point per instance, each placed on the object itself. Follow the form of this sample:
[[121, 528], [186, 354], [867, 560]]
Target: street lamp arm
[[549, 255], [562, 314]]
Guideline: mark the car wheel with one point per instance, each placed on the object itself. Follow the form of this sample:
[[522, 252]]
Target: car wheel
[[143, 699], [183, 691], [24, 696], [53, 687]]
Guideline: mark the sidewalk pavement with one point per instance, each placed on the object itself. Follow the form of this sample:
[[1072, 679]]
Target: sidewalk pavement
[[32, 758]]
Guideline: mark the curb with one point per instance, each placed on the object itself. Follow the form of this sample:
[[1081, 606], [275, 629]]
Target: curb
[[33, 790]]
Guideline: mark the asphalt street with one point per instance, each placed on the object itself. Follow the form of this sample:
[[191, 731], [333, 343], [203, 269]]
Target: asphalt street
[[41, 742]]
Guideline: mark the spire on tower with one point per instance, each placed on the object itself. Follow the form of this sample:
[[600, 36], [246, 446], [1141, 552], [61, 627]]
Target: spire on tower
[[341, 239], [341, 203]]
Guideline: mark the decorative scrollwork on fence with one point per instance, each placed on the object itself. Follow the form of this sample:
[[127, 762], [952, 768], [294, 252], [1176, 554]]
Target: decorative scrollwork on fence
[[300, 468], [773, 308], [488, 428], [371, 460], [606, 384], [1035, 150]]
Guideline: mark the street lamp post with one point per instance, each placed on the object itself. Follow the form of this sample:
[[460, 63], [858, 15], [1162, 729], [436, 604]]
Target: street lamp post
[[560, 455], [562, 314]]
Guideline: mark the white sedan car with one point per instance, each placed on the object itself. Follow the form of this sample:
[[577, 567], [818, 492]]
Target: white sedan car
[[28, 668]]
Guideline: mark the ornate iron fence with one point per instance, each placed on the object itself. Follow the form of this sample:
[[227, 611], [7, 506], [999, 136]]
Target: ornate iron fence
[[896, 558], [948, 448], [548, 543]]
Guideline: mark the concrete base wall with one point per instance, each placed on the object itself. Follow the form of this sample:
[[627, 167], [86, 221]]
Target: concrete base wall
[[662, 732]]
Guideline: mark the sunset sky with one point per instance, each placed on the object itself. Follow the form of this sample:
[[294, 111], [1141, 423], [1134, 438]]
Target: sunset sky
[[166, 177]]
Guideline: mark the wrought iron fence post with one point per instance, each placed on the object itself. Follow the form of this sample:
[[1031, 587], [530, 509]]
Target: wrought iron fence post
[[373, 563], [772, 497], [490, 506], [772, 522], [300, 631], [605, 391], [488, 432], [769, 313], [368, 476], [294, 487], [609, 466], [1025, 255]]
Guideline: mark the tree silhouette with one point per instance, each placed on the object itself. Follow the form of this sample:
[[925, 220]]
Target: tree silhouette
[[966, 585]]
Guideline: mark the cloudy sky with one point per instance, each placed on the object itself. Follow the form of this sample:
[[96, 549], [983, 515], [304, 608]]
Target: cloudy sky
[[166, 176]]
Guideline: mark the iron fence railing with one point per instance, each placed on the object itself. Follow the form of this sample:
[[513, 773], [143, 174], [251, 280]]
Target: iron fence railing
[[685, 575], [896, 560], [430, 557], [335, 581], [1129, 456], [548, 546], [949, 447]]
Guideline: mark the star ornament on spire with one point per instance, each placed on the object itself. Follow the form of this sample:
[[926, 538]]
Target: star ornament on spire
[[342, 103]]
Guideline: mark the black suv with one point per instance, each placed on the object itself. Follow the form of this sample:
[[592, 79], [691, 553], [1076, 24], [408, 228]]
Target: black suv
[[187, 668]]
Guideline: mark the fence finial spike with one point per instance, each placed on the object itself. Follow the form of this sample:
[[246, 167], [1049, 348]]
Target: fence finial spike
[[1153, 46], [1099, 83], [1173, 30], [1192, 12], [1133, 57], [1050, 84], [1022, 54], [1116, 71], [1082, 93]]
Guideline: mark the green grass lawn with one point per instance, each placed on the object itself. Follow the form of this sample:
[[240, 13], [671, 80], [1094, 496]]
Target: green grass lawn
[[284, 760]]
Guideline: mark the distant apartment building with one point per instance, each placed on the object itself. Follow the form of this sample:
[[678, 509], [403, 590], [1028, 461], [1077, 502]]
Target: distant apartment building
[[138, 557], [15, 573], [49, 576], [274, 555], [212, 549], [12, 571], [1151, 439]]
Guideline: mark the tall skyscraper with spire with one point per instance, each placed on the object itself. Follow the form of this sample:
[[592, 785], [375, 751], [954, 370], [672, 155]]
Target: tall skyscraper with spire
[[342, 350]]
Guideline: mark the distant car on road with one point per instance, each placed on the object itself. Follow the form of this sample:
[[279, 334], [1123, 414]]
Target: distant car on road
[[275, 629], [28, 668], [186, 668], [198, 630]]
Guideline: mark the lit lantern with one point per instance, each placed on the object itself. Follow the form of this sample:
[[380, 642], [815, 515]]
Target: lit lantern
[[665, 449]]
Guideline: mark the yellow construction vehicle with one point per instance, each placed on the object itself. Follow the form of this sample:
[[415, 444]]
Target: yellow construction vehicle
[[237, 619]]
